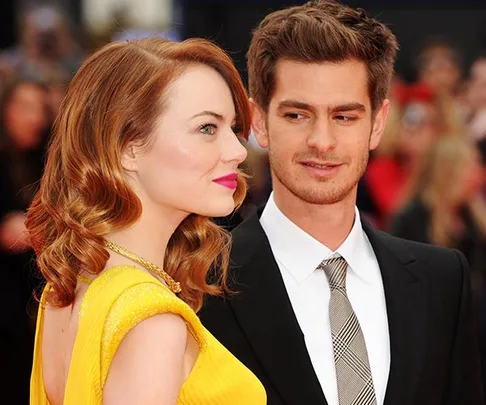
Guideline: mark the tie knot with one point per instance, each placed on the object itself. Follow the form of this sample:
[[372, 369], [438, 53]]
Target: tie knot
[[335, 270]]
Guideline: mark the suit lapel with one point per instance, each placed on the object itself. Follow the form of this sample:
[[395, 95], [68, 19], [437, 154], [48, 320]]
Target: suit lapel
[[405, 295], [265, 314]]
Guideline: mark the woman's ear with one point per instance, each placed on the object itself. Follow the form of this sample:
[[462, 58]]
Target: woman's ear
[[129, 159]]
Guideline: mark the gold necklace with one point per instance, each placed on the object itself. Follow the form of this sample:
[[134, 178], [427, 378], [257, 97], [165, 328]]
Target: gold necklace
[[173, 285], [83, 279]]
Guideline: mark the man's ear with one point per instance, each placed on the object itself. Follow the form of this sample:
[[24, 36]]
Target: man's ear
[[258, 124], [379, 124]]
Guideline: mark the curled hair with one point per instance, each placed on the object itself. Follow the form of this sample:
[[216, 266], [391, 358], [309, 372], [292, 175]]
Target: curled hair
[[320, 31], [115, 99]]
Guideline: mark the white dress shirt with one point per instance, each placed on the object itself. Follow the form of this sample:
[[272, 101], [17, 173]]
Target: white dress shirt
[[298, 254]]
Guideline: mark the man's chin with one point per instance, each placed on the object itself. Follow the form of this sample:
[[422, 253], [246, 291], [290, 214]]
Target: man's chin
[[329, 197]]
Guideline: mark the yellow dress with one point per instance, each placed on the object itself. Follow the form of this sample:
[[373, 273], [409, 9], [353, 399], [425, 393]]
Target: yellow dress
[[114, 303]]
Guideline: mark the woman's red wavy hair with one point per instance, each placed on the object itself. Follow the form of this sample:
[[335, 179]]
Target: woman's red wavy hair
[[113, 100]]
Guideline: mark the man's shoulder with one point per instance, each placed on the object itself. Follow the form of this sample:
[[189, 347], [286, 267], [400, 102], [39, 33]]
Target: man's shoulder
[[249, 229], [426, 258], [418, 248], [247, 239]]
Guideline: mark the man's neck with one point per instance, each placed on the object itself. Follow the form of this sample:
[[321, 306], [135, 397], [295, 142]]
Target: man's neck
[[330, 224]]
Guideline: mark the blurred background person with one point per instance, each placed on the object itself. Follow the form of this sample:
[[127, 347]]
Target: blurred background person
[[440, 69], [439, 66], [476, 98], [414, 123], [476, 101], [46, 48], [24, 123], [446, 208]]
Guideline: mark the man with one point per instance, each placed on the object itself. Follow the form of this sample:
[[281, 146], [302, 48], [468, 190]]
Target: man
[[327, 309]]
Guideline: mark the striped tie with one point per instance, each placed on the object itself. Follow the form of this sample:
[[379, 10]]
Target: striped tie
[[354, 380]]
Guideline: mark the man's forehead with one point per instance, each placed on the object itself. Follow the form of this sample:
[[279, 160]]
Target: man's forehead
[[322, 84], [294, 74]]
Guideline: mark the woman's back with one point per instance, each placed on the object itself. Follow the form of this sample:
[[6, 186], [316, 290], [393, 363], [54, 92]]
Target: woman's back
[[59, 334], [117, 301]]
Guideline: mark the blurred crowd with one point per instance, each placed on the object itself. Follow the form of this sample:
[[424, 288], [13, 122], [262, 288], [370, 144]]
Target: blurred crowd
[[426, 181], [33, 77]]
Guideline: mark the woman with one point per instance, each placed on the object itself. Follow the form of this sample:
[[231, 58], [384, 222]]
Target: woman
[[24, 119], [413, 125], [144, 152], [448, 210], [447, 207]]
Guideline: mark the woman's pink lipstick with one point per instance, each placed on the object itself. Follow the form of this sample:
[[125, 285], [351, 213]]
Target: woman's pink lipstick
[[228, 181]]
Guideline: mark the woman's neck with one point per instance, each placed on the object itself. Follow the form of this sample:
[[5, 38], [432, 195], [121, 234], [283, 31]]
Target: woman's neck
[[148, 238]]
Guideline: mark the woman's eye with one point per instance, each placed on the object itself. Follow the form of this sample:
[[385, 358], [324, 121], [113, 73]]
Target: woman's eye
[[208, 129]]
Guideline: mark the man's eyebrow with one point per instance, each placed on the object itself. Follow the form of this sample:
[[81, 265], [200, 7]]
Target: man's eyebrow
[[295, 104], [354, 106], [349, 107]]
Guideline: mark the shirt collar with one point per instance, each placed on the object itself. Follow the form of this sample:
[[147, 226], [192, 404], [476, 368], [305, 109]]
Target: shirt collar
[[300, 253]]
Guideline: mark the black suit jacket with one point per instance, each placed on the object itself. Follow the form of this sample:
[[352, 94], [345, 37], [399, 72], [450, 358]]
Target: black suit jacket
[[434, 355]]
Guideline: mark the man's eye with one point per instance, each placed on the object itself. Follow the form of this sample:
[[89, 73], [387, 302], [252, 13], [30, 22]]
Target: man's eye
[[345, 118], [237, 129], [294, 116]]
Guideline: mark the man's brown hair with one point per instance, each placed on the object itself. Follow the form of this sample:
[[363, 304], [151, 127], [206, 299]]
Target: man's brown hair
[[320, 31]]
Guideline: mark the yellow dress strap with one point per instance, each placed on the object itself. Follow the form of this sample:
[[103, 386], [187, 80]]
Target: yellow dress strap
[[114, 303], [137, 304], [37, 392]]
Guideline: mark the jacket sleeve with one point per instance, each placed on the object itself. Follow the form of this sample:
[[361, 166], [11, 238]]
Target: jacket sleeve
[[465, 384]]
